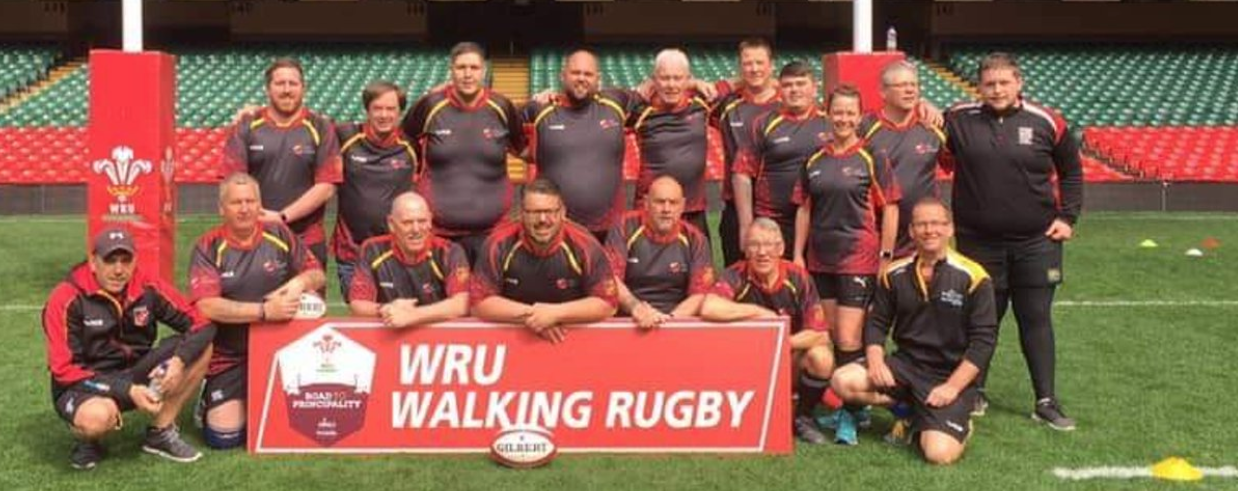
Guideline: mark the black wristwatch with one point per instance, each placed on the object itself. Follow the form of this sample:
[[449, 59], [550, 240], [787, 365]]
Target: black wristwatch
[[283, 217], [887, 255]]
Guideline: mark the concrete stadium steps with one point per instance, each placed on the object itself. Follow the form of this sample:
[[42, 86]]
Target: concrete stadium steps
[[510, 76]]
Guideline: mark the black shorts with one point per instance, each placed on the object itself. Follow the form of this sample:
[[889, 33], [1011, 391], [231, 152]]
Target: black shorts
[[67, 401], [849, 290], [914, 386], [228, 385], [1026, 263]]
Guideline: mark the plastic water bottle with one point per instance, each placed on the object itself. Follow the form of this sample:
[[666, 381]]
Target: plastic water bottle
[[891, 39]]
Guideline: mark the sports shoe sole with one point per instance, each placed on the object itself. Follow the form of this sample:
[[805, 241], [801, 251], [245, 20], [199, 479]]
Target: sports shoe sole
[[154, 451], [1037, 418], [84, 467]]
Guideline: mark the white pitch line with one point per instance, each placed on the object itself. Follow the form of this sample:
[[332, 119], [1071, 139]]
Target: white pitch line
[[1228, 471]]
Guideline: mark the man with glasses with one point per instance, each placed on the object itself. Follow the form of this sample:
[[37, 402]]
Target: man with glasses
[[766, 286], [543, 272]]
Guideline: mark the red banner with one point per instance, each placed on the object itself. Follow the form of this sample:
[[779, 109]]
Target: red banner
[[130, 162], [351, 386]]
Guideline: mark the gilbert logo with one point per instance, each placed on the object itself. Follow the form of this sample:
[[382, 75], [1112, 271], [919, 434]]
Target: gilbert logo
[[523, 447], [326, 378], [122, 172]]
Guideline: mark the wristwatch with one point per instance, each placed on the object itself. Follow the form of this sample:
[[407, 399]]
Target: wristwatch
[[887, 254]]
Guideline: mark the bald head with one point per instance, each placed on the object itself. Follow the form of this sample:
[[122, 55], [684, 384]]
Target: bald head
[[666, 186], [664, 204], [409, 222], [580, 75], [408, 201]]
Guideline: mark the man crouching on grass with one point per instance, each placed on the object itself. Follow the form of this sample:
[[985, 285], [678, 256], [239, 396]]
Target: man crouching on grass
[[940, 307], [100, 326]]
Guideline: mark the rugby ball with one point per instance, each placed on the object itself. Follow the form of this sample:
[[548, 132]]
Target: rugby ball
[[312, 306], [523, 447]]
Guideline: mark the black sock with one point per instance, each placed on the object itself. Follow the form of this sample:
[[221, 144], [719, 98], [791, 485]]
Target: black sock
[[810, 390]]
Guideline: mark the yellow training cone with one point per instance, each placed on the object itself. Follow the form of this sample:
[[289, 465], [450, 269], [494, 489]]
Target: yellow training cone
[[1176, 469]]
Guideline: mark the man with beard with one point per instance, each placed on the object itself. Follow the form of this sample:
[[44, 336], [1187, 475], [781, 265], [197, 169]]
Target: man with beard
[[241, 272], [410, 277], [543, 272], [896, 131], [379, 164], [576, 141], [292, 152], [662, 262], [765, 286], [465, 132], [733, 115], [767, 172]]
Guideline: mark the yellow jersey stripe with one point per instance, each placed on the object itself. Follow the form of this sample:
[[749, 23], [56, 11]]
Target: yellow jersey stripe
[[378, 261], [283, 246]]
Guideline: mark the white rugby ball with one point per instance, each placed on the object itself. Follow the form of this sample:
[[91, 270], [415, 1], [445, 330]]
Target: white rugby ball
[[312, 306], [523, 447]]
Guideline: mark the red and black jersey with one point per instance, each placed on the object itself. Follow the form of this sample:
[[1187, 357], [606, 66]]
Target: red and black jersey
[[660, 270], [781, 145], [846, 190], [673, 141], [912, 151], [793, 294], [573, 267], [287, 160], [733, 116], [385, 274], [222, 267], [94, 336], [1005, 166], [939, 323], [376, 170], [580, 148], [464, 150]]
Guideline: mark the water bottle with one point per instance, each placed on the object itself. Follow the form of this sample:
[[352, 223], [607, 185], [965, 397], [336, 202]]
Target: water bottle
[[891, 39]]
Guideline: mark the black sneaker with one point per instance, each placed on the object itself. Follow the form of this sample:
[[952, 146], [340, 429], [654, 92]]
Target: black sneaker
[[86, 455], [980, 406], [1050, 413], [167, 443], [806, 429]]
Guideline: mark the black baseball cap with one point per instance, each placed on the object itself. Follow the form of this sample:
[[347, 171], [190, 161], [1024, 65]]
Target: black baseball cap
[[113, 239]]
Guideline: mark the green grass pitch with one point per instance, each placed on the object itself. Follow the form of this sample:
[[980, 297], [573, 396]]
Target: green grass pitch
[[1146, 363]]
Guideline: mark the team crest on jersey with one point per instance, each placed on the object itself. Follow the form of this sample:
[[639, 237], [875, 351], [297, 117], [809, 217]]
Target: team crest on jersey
[[561, 283], [925, 148], [1025, 135], [141, 316], [953, 298], [823, 137], [607, 124], [298, 150], [677, 267], [397, 164], [271, 265], [427, 288]]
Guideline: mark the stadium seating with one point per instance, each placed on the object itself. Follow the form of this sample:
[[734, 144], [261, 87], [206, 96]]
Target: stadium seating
[[1117, 85], [1203, 154], [22, 65], [48, 155]]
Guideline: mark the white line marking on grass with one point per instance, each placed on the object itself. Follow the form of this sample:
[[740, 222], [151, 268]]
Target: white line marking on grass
[[1085, 473], [1168, 217]]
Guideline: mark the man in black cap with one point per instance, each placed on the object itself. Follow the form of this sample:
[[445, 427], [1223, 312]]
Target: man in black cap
[[100, 324]]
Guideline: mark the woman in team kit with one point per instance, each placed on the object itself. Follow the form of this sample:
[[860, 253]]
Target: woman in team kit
[[845, 229]]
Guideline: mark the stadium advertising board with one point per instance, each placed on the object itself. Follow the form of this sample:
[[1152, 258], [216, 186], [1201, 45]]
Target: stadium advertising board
[[352, 386]]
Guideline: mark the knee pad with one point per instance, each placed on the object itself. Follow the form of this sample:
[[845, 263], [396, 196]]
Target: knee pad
[[223, 439]]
